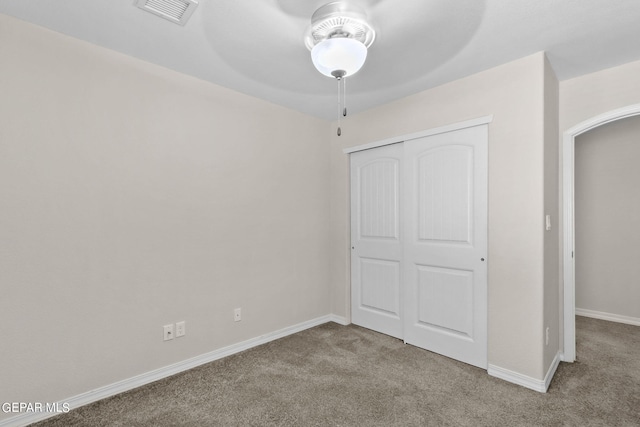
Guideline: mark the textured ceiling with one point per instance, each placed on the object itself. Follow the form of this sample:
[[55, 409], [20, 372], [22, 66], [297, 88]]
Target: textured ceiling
[[256, 46]]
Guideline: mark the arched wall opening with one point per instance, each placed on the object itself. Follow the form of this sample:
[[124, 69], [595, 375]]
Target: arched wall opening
[[568, 183]]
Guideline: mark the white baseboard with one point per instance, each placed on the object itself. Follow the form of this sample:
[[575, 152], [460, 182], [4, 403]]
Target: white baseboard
[[158, 374], [339, 319], [552, 370], [523, 380], [608, 316]]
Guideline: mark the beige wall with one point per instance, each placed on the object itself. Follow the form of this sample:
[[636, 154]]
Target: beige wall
[[131, 197], [514, 95], [552, 272], [607, 218], [593, 94]]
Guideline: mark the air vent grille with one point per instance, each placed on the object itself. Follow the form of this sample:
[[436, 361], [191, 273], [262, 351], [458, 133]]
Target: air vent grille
[[177, 11]]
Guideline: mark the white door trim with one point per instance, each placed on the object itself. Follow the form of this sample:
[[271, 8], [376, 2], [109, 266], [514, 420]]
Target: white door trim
[[568, 166], [434, 131]]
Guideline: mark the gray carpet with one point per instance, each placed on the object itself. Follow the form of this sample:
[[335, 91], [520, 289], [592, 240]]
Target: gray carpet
[[336, 375]]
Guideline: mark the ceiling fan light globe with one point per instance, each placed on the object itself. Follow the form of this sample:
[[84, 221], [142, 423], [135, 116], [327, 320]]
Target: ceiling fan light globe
[[339, 53]]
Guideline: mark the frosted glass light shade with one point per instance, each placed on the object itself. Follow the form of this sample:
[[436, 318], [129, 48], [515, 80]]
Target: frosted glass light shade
[[339, 53]]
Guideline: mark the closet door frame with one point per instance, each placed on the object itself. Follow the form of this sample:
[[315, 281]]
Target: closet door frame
[[428, 132], [485, 120]]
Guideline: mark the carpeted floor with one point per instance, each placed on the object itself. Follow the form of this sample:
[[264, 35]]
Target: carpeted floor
[[336, 375]]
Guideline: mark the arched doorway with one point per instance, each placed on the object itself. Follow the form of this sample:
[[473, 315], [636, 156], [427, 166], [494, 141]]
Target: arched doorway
[[568, 169]]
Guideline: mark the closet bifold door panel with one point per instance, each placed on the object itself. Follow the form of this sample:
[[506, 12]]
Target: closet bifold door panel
[[445, 244], [419, 242], [376, 247]]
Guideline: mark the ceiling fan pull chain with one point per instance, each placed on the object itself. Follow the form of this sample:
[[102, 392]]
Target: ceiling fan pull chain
[[339, 107], [344, 96]]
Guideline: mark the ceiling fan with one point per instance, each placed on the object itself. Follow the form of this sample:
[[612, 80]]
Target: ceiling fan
[[338, 38]]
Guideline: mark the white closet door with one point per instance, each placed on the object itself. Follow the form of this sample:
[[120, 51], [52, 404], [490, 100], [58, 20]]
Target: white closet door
[[376, 273], [445, 244]]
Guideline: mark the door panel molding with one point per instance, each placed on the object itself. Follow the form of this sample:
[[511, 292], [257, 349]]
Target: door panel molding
[[445, 283], [376, 240]]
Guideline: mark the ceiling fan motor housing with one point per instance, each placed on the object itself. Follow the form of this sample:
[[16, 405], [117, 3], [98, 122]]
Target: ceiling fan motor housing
[[339, 19]]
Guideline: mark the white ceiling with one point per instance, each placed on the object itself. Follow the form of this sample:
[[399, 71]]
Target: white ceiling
[[256, 46]]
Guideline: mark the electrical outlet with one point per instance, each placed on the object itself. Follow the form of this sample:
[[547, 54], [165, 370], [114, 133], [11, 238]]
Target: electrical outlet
[[181, 329], [168, 332], [237, 315]]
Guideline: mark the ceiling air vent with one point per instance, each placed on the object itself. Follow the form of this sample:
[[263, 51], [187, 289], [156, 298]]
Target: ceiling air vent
[[177, 11]]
